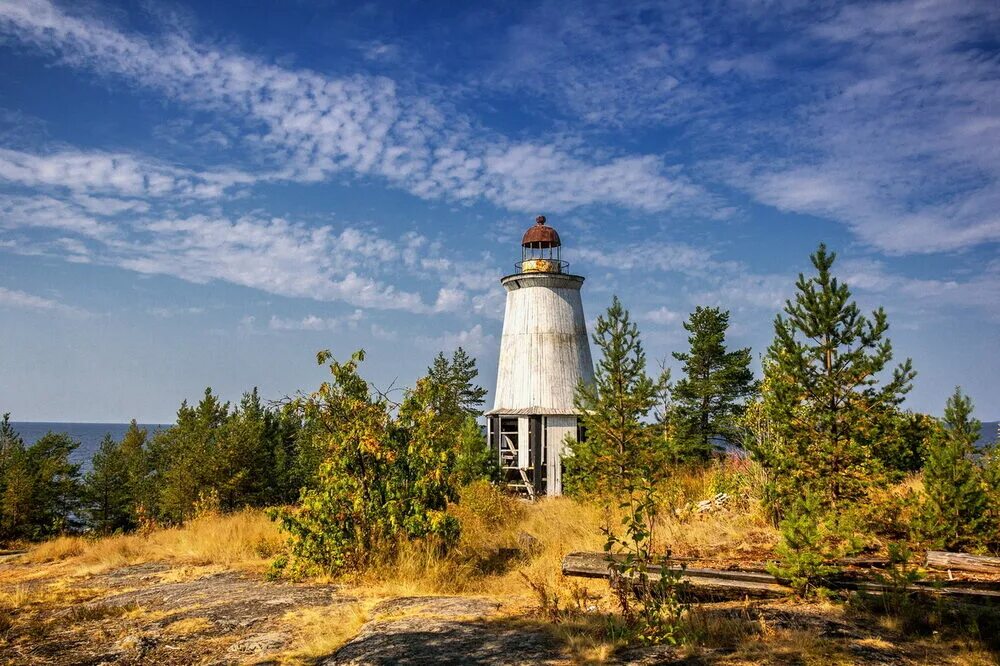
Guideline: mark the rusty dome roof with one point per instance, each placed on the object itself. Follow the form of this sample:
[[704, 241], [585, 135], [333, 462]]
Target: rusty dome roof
[[540, 235]]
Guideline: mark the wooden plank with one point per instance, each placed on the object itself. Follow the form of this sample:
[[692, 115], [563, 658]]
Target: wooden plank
[[750, 583], [596, 565], [939, 559], [756, 583]]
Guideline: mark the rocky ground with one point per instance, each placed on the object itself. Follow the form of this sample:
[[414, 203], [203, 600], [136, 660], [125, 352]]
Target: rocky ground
[[157, 614]]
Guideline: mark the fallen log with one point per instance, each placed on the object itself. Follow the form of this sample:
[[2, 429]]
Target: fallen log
[[760, 584], [939, 559]]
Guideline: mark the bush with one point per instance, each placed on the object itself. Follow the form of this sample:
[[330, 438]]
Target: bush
[[384, 480], [650, 603]]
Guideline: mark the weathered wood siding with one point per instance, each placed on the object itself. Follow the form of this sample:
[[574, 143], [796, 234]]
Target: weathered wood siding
[[556, 429], [544, 350]]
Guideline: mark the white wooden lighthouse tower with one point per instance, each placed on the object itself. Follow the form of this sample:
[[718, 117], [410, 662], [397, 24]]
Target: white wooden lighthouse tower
[[544, 354]]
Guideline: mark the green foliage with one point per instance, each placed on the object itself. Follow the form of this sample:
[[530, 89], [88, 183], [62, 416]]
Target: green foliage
[[711, 396], [118, 490], [649, 602], [991, 485], [954, 515], [383, 479], [824, 401], [450, 393], [455, 390], [110, 505], [811, 538], [618, 444], [901, 445], [626, 458], [186, 455], [899, 577], [473, 460], [247, 455], [40, 487]]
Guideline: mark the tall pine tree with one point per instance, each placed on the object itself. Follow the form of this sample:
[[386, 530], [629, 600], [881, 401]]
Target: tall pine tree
[[450, 390], [716, 384], [110, 504], [955, 512], [619, 447], [825, 397]]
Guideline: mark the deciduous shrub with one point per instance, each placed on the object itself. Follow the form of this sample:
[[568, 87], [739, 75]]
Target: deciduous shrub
[[384, 478]]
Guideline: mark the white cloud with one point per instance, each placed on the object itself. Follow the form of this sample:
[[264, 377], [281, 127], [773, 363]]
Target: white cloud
[[316, 126], [745, 289], [45, 212], [380, 333], [314, 323], [472, 340], [162, 312], [663, 316], [271, 254], [979, 290], [88, 173], [379, 51], [901, 139], [611, 63], [654, 256], [882, 116], [11, 298]]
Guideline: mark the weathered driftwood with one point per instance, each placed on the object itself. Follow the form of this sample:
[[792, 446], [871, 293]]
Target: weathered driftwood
[[761, 584], [939, 559]]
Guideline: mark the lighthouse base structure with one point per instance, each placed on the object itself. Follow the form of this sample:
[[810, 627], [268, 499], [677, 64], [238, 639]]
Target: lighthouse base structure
[[530, 449]]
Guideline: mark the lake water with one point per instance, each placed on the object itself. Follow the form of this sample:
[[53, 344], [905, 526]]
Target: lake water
[[88, 434]]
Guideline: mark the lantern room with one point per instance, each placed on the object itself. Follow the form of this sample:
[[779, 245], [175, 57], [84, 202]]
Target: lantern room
[[541, 250]]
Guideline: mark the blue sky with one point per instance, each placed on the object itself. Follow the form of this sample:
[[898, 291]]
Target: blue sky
[[198, 194]]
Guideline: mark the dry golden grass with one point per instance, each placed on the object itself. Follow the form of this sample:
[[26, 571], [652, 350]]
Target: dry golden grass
[[722, 535], [189, 625], [320, 632], [243, 540]]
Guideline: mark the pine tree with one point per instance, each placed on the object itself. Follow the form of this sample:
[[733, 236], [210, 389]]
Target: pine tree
[[473, 460], [140, 468], [619, 447], [41, 487], [454, 383], [825, 400], [107, 490], [187, 454], [955, 512], [711, 396], [449, 389]]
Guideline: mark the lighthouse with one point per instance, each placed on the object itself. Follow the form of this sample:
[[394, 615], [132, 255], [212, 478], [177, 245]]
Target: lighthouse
[[544, 355]]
